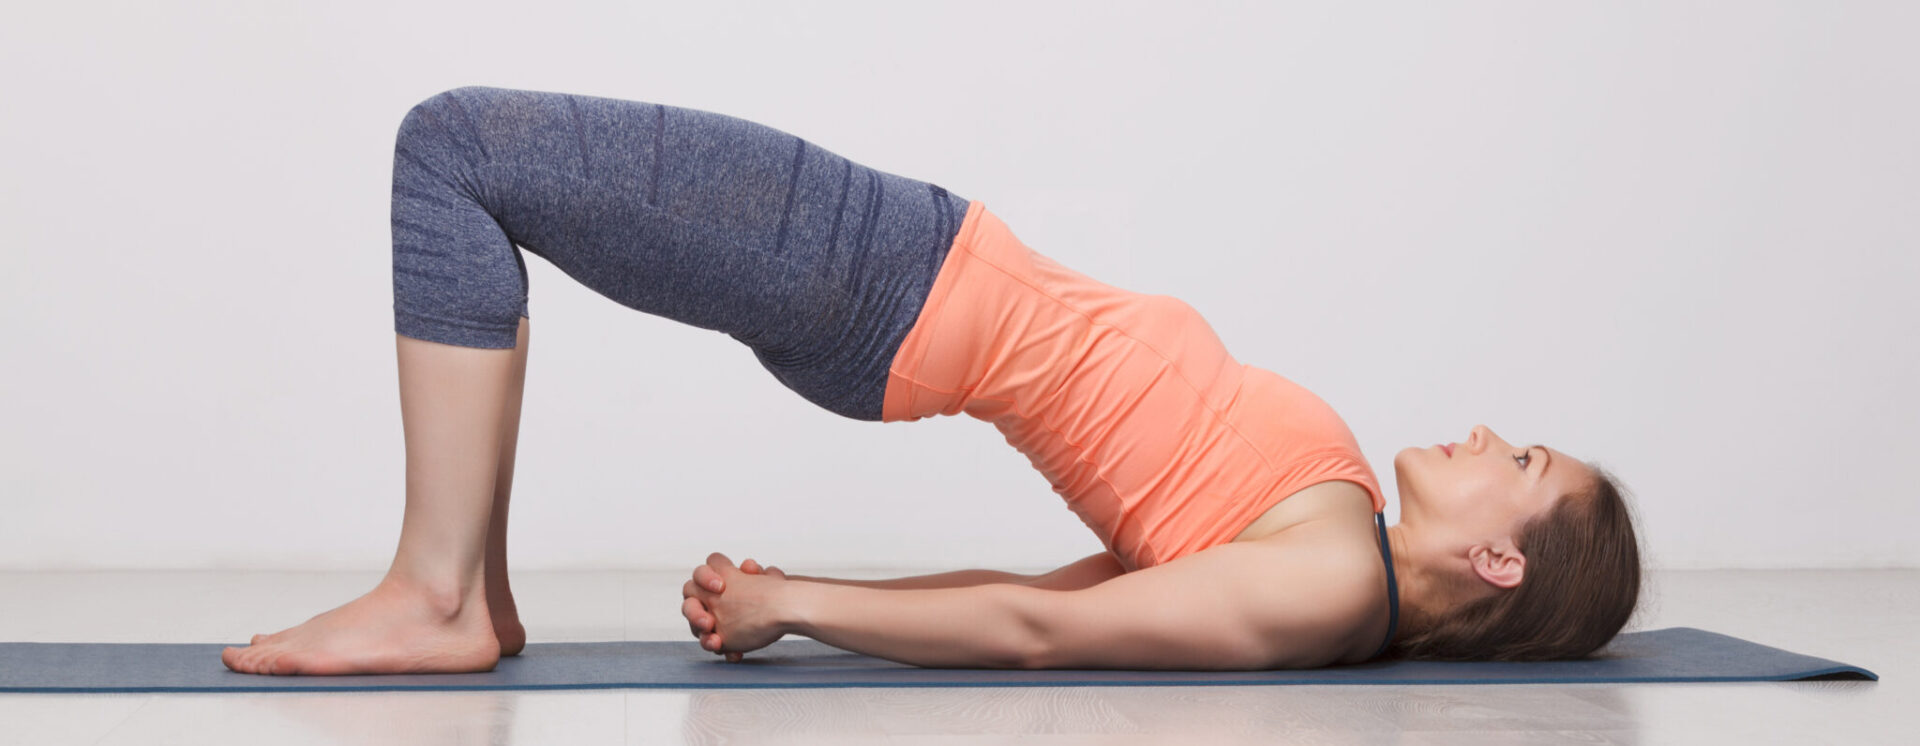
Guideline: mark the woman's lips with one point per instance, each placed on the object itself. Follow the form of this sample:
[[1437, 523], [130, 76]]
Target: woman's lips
[[1448, 448]]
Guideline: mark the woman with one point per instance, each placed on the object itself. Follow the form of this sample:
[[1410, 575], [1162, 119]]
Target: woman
[[1243, 526]]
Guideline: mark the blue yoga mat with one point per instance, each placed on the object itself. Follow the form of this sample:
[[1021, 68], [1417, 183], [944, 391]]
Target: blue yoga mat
[[1664, 655]]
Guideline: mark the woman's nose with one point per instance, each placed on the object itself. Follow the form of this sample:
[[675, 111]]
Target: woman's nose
[[1481, 435]]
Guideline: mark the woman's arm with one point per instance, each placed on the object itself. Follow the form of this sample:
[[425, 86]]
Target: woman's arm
[[1236, 606]]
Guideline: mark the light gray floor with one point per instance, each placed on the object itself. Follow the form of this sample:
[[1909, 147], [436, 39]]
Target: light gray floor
[[1866, 618]]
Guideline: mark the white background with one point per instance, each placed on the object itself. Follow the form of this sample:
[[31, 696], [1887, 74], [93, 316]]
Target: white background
[[1675, 239]]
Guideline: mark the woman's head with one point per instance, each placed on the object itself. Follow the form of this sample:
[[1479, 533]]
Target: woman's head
[[1515, 552]]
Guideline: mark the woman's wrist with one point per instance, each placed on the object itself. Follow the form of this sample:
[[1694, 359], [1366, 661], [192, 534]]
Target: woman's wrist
[[794, 604]]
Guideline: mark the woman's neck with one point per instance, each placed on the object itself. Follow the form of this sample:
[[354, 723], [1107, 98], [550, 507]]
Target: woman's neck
[[1422, 594]]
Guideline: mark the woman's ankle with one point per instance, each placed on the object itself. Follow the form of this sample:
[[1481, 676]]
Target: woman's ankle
[[446, 597]]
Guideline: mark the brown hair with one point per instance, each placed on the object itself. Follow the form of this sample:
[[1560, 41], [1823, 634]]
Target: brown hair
[[1581, 583]]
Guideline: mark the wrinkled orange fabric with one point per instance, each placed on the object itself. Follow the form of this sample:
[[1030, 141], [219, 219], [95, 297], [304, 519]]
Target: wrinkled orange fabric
[[1128, 403]]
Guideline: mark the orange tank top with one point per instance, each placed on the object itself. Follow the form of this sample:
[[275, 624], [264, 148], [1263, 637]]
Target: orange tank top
[[1128, 403]]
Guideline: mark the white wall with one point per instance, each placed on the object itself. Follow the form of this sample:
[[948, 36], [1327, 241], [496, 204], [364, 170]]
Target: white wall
[[1673, 238]]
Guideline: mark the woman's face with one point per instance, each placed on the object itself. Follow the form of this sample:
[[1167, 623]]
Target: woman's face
[[1485, 488]]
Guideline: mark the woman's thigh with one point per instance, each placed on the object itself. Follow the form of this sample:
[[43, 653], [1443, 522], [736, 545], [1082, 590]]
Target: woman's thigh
[[817, 263]]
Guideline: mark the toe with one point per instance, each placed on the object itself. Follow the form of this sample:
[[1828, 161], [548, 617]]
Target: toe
[[257, 639], [245, 660], [251, 658]]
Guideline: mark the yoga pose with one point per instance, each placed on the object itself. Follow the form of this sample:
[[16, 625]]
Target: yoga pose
[[1243, 528]]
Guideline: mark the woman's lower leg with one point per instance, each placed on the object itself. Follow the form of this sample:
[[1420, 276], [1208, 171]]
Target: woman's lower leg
[[453, 403]]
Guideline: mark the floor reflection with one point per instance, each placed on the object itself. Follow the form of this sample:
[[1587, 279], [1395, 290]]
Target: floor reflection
[[399, 718], [1180, 715]]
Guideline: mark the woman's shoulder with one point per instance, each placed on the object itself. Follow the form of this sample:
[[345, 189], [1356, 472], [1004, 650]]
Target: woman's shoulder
[[1299, 599], [1335, 563]]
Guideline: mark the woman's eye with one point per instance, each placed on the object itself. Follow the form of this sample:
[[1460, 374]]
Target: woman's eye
[[1525, 458]]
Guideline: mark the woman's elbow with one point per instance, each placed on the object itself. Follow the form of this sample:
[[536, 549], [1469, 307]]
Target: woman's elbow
[[1033, 654], [1031, 639]]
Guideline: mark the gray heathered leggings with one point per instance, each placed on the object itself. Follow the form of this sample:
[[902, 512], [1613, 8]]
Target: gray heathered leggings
[[817, 263]]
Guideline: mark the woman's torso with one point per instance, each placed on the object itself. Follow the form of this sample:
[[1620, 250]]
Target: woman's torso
[[1128, 403]]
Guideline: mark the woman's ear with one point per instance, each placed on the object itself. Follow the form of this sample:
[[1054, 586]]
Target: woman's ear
[[1501, 566]]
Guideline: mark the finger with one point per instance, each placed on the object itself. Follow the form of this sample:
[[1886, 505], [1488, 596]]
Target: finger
[[693, 590], [708, 579], [718, 561], [697, 617], [748, 565], [708, 620]]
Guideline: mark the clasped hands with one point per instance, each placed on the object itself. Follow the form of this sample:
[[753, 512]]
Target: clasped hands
[[733, 610]]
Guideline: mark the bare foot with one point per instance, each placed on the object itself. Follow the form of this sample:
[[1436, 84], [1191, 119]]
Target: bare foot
[[391, 629]]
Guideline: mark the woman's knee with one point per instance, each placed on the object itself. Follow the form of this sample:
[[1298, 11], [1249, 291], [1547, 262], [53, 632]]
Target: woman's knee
[[458, 278], [444, 115]]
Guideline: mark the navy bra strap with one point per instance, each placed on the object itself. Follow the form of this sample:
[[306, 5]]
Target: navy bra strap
[[1393, 589]]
